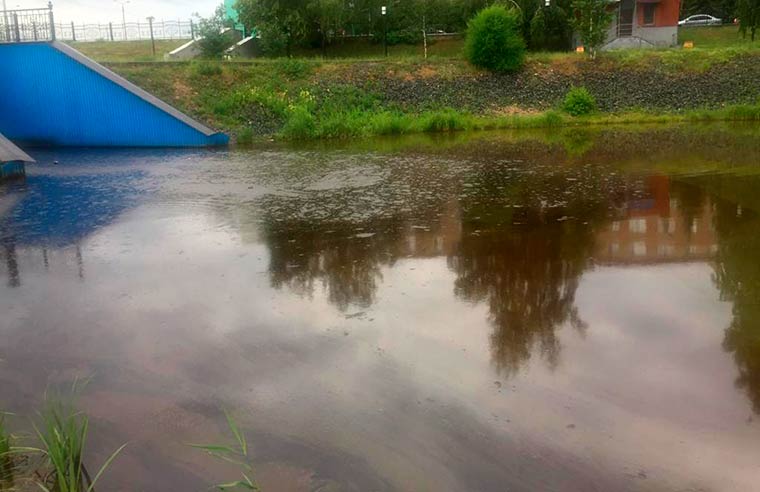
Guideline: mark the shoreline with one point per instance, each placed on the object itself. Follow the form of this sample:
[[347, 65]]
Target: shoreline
[[299, 99]]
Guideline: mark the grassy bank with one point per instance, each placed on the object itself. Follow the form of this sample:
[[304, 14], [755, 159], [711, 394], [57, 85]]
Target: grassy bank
[[312, 98], [304, 125]]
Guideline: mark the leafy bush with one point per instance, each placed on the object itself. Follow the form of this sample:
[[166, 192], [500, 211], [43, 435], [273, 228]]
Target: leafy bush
[[494, 40], [550, 30], [578, 102], [212, 40]]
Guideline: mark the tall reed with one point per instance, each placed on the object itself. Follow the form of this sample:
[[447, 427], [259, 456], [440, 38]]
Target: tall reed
[[236, 454], [62, 431]]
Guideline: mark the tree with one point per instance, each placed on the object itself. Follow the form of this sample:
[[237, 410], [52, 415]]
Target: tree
[[749, 17], [327, 17], [494, 40], [591, 22], [550, 29], [527, 9], [281, 24], [212, 40]]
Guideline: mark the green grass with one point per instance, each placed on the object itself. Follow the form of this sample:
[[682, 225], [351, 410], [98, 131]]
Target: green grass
[[120, 51], [713, 36], [62, 431], [698, 59], [63, 435], [236, 453], [305, 125]]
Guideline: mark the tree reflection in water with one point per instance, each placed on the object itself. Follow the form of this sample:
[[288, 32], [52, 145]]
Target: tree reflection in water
[[523, 252], [345, 261], [737, 275], [519, 234]]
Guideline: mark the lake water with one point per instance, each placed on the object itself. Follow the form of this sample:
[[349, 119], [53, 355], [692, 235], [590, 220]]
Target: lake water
[[544, 311]]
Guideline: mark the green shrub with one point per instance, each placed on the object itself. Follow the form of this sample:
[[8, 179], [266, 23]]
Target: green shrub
[[579, 102], [494, 40], [212, 40]]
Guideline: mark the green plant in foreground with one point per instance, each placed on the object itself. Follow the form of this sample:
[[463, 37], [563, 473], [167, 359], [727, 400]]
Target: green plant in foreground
[[62, 432], [7, 469], [579, 102], [236, 454], [494, 40]]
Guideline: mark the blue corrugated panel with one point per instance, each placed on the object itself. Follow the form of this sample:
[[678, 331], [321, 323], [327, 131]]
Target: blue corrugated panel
[[53, 95]]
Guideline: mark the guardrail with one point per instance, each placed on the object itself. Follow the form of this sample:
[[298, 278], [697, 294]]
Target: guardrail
[[27, 25]]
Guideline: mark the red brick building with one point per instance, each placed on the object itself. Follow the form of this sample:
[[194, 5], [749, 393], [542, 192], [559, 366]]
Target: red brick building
[[644, 23]]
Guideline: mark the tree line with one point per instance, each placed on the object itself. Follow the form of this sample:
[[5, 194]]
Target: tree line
[[283, 25], [286, 24]]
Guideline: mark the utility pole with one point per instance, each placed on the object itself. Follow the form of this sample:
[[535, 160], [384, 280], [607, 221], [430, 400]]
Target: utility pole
[[123, 16], [383, 12], [152, 40]]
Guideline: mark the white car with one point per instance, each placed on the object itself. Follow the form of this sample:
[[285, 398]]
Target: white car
[[701, 20]]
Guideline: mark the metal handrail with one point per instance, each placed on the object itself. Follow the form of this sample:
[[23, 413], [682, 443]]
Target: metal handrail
[[27, 25]]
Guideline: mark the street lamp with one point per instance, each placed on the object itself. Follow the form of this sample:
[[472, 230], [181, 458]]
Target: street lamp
[[123, 16], [383, 12]]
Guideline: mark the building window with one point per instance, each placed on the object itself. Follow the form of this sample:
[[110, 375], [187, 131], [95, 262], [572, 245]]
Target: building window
[[639, 248], [637, 225], [649, 14]]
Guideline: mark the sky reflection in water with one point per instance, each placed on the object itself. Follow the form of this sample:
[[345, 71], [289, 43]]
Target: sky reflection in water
[[506, 312]]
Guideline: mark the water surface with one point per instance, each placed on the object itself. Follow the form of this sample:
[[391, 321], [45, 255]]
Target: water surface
[[562, 311]]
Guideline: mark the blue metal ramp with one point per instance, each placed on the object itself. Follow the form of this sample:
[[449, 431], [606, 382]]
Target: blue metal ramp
[[12, 159], [52, 95]]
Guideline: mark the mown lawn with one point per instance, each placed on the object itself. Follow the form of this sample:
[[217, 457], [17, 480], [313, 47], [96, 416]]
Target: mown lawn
[[119, 51], [713, 36]]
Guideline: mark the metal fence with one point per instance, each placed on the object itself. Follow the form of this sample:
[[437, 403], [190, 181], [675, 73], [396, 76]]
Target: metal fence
[[28, 25], [130, 31], [24, 25]]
